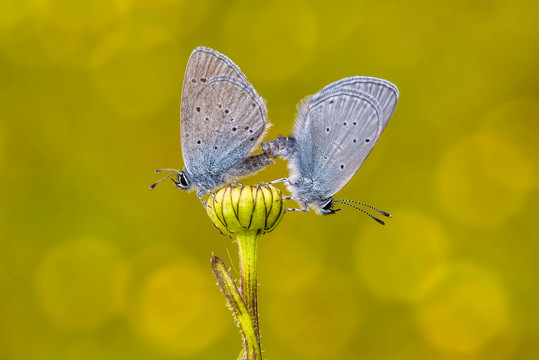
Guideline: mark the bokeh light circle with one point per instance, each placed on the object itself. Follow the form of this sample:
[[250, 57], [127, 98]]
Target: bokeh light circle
[[275, 40], [80, 284], [43, 32], [78, 16], [315, 317], [176, 311], [140, 83], [395, 261], [515, 119], [14, 12], [484, 179], [465, 307], [300, 257]]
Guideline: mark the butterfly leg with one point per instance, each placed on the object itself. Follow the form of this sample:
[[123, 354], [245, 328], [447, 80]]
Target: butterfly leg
[[304, 209], [301, 200], [297, 210], [202, 192], [281, 180], [233, 181]]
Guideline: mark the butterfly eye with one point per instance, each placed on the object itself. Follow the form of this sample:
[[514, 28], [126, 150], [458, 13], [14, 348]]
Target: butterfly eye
[[328, 205], [183, 180]]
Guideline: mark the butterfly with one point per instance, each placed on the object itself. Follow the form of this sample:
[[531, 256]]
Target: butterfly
[[334, 132], [223, 119]]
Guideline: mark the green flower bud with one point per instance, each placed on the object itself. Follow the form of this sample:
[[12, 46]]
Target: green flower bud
[[237, 209]]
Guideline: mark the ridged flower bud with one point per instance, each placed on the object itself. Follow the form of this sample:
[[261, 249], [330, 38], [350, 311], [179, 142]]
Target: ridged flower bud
[[237, 209]]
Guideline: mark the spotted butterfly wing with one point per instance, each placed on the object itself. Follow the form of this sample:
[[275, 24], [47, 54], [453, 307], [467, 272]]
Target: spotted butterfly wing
[[335, 131], [222, 117]]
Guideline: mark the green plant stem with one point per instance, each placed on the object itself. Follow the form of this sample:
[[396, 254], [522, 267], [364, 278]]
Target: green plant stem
[[248, 253], [237, 305]]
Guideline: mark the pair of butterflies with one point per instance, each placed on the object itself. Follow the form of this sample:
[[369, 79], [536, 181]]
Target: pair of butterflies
[[223, 119]]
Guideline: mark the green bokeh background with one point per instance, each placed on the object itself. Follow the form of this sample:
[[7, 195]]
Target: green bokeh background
[[95, 266]]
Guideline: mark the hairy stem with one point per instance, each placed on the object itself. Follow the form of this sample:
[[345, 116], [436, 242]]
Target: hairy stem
[[237, 305]]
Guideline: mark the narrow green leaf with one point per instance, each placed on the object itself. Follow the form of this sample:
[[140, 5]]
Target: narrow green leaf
[[237, 305]]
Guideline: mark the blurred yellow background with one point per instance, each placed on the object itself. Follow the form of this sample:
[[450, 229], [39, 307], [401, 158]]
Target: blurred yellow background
[[95, 266]]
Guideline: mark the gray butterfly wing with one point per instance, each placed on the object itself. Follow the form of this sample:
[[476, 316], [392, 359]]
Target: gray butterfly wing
[[204, 64], [222, 116], [337, 128], [382, 91]]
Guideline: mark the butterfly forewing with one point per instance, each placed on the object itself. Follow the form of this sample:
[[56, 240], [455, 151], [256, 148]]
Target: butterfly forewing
[[216, 98], [228, 123], [340, 131], [384, 93]]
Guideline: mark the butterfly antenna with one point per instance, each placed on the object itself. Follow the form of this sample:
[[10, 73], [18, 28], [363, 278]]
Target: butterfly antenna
[[363, 211], [161, 170], [166, 177], [367, 205]]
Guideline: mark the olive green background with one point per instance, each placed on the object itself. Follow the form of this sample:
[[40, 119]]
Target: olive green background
[[94, 266]]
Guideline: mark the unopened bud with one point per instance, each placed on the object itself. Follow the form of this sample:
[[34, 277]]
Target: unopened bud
[[242, 208]]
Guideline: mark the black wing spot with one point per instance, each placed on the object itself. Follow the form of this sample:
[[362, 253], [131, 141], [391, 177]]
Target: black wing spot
[[207, 118], [325, 157], [220, 105], [251, 131], [227, 111], [344, 123], [247, 128], [234, 129], [198, 141], [367, 140], [254, 105], [193, 80], [215, 147], [327, 129], [198, 108], [231, 119], [354, 140], [331, 102], [354, 123], [252, 139], [203, 80], [342, 166]]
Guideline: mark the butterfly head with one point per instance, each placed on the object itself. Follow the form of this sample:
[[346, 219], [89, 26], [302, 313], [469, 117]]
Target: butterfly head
[[182, 180], [326, 207]]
